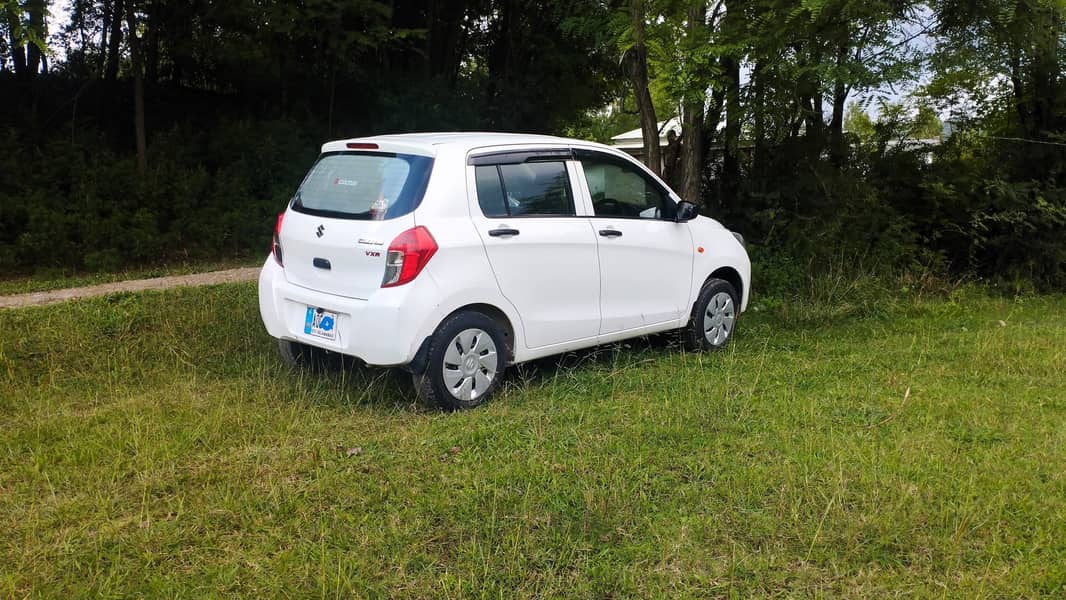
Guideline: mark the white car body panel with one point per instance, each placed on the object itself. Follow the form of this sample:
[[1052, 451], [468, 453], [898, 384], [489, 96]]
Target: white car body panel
[[559, 284]]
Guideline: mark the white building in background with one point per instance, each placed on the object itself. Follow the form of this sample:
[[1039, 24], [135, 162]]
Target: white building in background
[[632, 142]]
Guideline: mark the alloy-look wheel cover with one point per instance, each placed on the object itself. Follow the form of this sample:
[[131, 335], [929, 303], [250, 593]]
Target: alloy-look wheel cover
[[719, 318], [470, 364]]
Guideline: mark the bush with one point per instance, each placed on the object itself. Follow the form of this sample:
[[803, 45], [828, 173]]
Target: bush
[[202, 196]]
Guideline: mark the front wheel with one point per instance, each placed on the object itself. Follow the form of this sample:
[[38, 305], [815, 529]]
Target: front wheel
[[714, 317], [465, 361]]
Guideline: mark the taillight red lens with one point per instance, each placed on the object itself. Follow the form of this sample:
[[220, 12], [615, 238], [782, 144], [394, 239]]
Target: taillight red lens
[[407, 256], [275, 248]]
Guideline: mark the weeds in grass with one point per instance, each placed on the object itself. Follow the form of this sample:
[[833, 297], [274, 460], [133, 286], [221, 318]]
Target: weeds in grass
[[154, 445]]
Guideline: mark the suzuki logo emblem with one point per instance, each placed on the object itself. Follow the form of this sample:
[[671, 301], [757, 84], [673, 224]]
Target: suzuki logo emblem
[[321, 230]]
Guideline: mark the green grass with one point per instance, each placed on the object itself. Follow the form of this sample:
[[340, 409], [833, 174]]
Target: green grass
[[154, 446], [56, 279]]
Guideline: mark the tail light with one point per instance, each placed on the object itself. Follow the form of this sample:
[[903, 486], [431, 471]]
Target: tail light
[[275, 247], [407, 256]]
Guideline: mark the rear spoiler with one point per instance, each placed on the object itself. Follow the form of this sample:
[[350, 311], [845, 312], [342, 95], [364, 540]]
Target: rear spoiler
[[378, 145]]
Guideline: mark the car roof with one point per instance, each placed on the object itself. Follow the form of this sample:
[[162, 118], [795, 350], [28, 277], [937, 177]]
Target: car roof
[[461, 140]]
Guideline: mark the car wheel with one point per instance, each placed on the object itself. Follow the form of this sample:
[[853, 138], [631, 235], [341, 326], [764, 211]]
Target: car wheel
[[465, 361], [302, 356], [714, 317]]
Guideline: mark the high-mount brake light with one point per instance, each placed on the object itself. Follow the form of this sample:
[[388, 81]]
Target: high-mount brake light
[[407, 256], [275, 248], [361, 146]]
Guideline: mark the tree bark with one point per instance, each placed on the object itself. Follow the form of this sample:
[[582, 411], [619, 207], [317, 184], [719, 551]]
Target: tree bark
[[138, 90], [692, 120], [105, 8], [35, 13], [758, 111], [837, 148], [18, 51], [731, 141], [114, 43], [637, 68]]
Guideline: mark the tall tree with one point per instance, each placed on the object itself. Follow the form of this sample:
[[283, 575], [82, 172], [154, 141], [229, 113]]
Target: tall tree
[[113, 12], [27, 35], [635, 60], [138, 88], [693, 102]]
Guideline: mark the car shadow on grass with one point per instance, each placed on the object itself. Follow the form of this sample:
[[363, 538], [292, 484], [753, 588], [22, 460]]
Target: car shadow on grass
[[346, 381]]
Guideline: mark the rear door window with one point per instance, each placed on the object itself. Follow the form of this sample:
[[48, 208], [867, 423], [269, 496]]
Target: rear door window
[[364, 185], [529, 189]]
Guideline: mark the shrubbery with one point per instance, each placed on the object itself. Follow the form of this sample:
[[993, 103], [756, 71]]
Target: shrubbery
[[205, 194], [214, 184]]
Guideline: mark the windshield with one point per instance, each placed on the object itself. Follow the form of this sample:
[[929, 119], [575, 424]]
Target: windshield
[[364, 185]]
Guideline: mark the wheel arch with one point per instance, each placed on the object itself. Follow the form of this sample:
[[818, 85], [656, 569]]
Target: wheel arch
[[498, 316], [730, 275]]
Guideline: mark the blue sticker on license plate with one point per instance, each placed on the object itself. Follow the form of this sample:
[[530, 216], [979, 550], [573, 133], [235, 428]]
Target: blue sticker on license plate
[[321, 323]]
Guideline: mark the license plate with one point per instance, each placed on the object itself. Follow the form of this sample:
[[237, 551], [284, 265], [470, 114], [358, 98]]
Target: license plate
[[321, 323]]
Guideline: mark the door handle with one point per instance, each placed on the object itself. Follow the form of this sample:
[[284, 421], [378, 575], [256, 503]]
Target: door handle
[[503, 232], [610, 233]]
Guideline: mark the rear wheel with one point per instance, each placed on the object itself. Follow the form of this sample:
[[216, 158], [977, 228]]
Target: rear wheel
[[302, 356], [465, 361], [714, 316]]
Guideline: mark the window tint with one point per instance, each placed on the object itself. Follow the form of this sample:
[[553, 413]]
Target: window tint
[[620, 190], [526, 189], [364, 185], [490, 192]]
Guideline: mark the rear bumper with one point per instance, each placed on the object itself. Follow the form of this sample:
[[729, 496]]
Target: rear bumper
[[372, 330]]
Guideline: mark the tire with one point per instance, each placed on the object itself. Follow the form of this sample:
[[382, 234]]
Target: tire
[[714, 317], [301, 356], [465, 361]]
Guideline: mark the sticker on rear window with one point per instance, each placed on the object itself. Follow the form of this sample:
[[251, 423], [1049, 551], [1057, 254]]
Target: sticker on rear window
[[348, 182]]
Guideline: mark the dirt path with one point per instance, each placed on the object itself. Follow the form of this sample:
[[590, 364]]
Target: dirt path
[[135, 285]]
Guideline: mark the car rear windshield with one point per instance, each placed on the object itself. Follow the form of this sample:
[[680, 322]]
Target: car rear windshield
[[364, 185]]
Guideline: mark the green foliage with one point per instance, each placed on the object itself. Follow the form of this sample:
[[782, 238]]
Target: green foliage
[[239, 95], [858, 123], [601, 126], [203, 196]]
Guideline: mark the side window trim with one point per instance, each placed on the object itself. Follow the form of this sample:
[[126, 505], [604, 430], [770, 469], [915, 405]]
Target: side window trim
[[514, 157]]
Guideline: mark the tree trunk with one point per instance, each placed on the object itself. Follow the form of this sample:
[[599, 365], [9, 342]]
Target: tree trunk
[[18, 51], [105, 12], [114, 43], [692, 119], [138, 90], [35, 13], [731, 141], [758, 111], [637, 67], [692, 152], [837, 148]]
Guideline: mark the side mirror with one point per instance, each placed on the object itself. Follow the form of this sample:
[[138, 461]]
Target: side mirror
[[686, 211]]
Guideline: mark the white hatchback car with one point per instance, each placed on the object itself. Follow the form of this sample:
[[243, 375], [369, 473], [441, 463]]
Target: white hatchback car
[[458, 254]]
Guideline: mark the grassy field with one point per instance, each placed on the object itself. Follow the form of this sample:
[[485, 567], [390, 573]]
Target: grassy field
[[153, 445]]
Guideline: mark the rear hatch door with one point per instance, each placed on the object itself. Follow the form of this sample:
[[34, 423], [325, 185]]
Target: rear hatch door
[[351, 205]]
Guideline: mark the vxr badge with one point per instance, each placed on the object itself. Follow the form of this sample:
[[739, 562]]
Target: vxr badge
[[321, 230]]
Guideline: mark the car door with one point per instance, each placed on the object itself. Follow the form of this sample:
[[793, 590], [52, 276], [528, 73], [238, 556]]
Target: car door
[[544, 255], [645, 256]]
